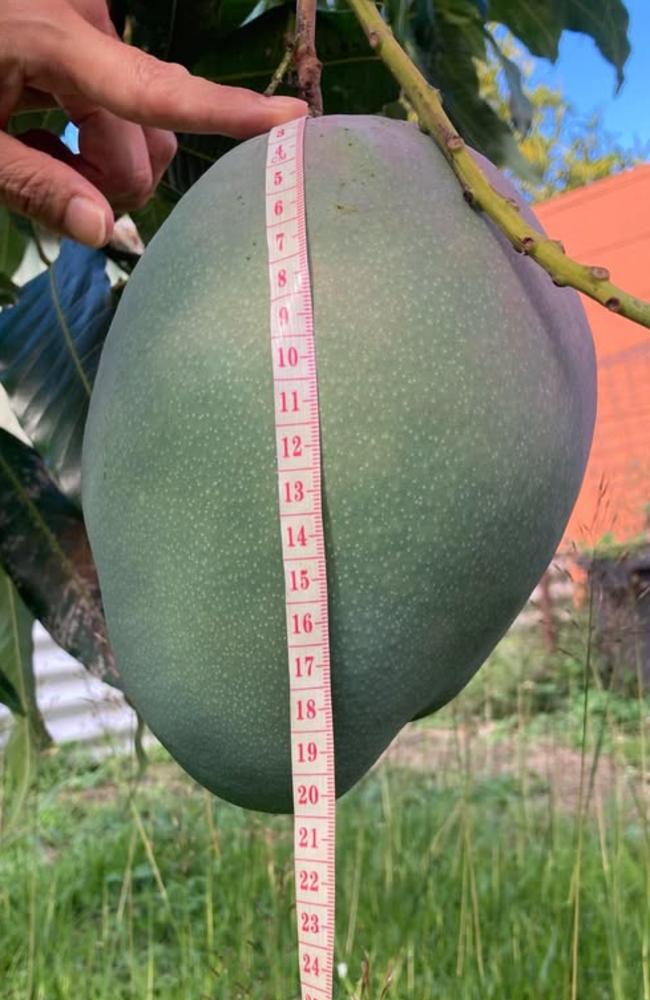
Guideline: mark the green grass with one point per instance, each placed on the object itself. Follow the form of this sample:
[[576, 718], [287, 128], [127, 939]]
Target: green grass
[[454, 882]]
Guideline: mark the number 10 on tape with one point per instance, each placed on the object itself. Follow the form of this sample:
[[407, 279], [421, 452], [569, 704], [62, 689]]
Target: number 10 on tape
[[297, 435]]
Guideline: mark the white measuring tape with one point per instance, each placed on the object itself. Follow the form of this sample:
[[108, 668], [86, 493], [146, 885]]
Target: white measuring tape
[[297, 435]]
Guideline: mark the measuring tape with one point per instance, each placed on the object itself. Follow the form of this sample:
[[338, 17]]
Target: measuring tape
[[297, 436]]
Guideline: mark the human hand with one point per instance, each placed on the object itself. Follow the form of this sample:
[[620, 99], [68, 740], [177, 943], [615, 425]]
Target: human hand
[[124, 102]]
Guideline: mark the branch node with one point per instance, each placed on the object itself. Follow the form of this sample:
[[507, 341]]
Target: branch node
[[528, 244], [599, 273], [374, 39], [559, 244], [613, 304], [454, 143]]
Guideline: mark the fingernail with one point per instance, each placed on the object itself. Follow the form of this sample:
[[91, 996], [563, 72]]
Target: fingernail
[[85, 221]]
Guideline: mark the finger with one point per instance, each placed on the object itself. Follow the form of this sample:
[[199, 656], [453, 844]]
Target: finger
[[34, 100], [113, 155], [162, 146], [10, 91], [159, 149], [51, 192], [47, 142], [127, 160], [82, 60]]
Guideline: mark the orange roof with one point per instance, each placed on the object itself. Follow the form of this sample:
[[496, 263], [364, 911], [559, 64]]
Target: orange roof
[[608, 223]]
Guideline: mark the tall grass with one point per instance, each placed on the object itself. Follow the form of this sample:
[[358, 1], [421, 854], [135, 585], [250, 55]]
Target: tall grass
[[457, 880]]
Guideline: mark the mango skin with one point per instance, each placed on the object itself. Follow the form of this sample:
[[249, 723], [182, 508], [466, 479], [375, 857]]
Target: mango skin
[[457, 390]]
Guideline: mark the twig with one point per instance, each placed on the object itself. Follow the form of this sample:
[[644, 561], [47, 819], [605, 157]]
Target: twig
[[308, 66], [549, 254], [279, 73]]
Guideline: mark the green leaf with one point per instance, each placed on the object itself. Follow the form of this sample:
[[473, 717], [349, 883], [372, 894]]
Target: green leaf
[[44, 548], [195, 155], [27, 739], [480, 125], [51, 119], [12, 244], [29, 734], [539, 25], [8, 695], [446, 44], [150, 218], [16, 647], [8, 291], [50, 344], [16, 657], [19, 769], [354, 79], [521, 109], [607, 22], [181, 31]]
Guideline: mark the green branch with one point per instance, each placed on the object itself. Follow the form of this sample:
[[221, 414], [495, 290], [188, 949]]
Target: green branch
[[549, 254]]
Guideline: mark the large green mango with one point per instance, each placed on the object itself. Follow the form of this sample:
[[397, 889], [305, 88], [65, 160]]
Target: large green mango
[[457, 403]]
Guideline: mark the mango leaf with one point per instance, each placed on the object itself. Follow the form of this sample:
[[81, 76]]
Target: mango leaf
[[50, 344], [181, 31], [539, 25], [19, 758], [482, 128], [44, 548], [150, 218], [354, 81], [607, 22], [195, 155], [9, 696], [446, 42], [51, 119], [12, 243], [520, 106], [9, 292], [29, 734], [16, 659]]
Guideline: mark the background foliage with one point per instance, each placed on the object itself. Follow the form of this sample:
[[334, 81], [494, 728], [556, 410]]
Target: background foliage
[[565, 150]]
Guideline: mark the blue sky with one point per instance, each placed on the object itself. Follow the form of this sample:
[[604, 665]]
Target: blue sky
[[589, 82]]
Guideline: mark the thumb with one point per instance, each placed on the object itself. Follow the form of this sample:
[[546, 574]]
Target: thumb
[[37, 185]]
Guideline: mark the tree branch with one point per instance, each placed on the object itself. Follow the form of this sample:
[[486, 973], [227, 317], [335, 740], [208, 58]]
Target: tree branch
[[287, 59], [549, 254], [306, 61], [278, 74]]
